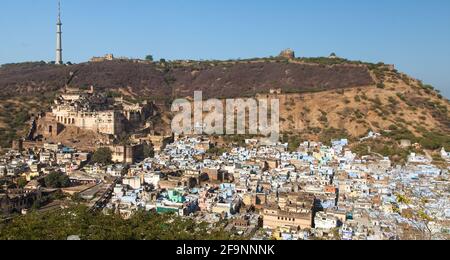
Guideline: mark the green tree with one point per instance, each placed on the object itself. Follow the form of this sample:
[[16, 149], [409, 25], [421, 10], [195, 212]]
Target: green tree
[[56, 180], [217, 151], [149, 57], [102, 155], [22, 182], [293, 142], [148, 151]]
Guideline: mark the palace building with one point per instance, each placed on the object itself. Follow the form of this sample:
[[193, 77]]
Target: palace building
[[90, 111]]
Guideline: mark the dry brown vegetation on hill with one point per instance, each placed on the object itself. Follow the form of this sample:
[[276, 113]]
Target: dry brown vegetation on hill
[[397, 106], [359, 110], [215, 79], [322, 98]]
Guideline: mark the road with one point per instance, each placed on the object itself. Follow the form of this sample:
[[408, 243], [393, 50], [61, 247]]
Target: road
[[101, 203]]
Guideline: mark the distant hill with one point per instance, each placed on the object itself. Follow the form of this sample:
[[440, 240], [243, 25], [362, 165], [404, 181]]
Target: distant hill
[[215, 79], [321, 97]]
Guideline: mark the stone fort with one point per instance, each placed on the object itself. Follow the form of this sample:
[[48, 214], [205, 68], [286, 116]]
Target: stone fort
[[90, 111]]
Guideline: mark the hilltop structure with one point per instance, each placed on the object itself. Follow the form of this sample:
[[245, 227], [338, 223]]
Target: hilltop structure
[[107, 57], [287, 54]]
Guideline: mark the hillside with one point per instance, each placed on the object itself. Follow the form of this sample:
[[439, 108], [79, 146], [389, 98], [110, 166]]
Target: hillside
[[215, 79], [321, 97], [399, 110]]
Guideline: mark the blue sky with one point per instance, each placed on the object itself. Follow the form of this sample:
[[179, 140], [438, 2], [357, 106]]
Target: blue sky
[[412, 34]]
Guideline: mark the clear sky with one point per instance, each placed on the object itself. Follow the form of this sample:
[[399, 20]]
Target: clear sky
[[412, 34]]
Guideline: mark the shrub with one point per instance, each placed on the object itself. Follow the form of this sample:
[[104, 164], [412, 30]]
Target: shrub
[[435, 140], [21, 182], [359, 114], [216, 151], [386, 148], [399, 133], [393, 101], [323, 118], [381, 85], [293, 142]]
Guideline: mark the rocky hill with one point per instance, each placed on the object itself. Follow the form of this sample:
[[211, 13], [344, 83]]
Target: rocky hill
[[215, 79], [321, 97]]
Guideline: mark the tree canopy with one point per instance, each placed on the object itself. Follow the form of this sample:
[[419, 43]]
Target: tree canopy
[[56, 180], [78, 221], [148, 151], [102, 155], [22, 182], [149, 57]]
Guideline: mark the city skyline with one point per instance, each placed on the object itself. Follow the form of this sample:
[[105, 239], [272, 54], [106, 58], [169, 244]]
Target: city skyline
[[409, 34]]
